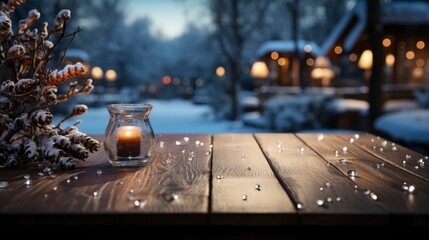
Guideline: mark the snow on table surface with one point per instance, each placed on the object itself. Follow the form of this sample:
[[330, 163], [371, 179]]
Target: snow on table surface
[[409, 126]]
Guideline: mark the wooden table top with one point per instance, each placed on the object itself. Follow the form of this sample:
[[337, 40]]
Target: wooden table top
[[232, 179]]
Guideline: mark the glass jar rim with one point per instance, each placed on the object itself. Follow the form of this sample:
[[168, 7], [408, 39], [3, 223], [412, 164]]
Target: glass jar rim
[[129, 107]]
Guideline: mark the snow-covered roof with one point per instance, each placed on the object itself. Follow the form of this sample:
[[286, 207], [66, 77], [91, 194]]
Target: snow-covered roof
[[401, 12], [359, 28], [80, 54], [287, 46], [359, 12], [405, 13]]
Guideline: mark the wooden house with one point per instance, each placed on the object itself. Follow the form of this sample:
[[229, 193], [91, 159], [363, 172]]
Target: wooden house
[[405, 29]]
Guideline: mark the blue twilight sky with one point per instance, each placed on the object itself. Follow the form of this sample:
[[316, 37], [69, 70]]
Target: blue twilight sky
[[168, 17]]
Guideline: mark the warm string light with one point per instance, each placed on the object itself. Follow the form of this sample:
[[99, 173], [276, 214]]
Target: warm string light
[[365, 61], [259, 70]]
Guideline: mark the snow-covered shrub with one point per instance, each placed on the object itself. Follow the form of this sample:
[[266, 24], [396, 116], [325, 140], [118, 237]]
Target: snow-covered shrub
[[221, 107], [219, 101], [422, 98], [297, 112]]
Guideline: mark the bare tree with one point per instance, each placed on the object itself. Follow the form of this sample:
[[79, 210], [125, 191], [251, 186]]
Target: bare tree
[[234, 22]]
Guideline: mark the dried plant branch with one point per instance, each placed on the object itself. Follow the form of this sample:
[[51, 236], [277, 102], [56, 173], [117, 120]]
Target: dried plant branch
[[87, 88], [30, 88], [73, 36], [77, 110]]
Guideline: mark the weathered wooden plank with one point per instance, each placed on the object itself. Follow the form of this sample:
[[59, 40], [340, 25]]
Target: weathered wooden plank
[[185, 168], [375, 175], [393, 153], [175, 181], [47, 187], [238, 166], [325, 195]]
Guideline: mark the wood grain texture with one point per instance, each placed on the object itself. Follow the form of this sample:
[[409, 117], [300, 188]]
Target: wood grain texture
[[184, 168], [374, 174], [394, 153], [171, 171], [240, 165], [308, 178]]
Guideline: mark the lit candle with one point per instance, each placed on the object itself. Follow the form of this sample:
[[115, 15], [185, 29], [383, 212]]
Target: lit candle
[[129, 138]]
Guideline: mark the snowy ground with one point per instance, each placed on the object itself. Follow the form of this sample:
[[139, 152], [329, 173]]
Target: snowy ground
[[179, 116], [409, 126], [173, 116]]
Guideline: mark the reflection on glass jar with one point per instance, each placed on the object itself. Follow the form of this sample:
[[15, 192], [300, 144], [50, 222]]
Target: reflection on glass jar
[[129, 138]]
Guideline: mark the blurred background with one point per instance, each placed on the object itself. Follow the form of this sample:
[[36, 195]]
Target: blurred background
[[215, 66]]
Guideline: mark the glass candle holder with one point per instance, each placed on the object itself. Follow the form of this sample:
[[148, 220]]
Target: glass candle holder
[[129, 138]]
